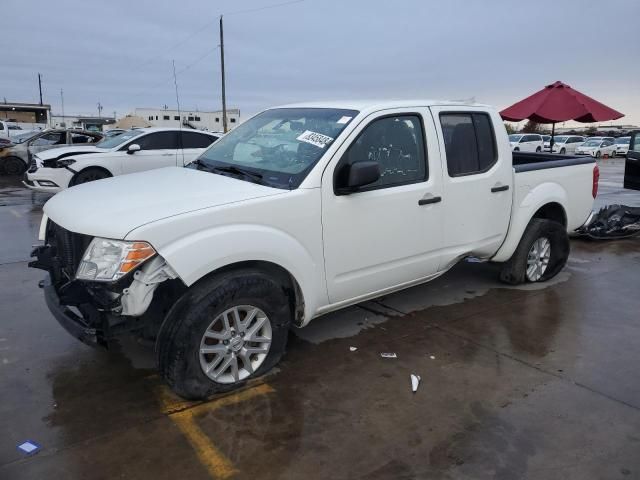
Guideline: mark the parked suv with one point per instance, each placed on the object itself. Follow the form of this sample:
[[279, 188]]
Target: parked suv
[[528, 142], [565, 144]]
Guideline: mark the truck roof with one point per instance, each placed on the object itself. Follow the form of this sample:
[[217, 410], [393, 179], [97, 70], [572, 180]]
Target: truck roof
[[377, 104]]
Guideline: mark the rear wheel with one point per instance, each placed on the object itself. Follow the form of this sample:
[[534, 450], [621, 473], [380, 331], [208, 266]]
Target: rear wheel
[[223, 332], [89, 175], [542, 252], [14, 166]]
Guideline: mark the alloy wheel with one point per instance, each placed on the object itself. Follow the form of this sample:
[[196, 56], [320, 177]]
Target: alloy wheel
[[235, 344], [538, 259]]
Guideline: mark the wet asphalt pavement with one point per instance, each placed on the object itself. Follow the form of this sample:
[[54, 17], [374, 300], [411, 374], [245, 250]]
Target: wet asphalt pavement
[[537, 382]]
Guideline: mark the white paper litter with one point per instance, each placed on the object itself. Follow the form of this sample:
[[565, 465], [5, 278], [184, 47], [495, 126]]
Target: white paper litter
[[415, 381], [432, 357], [28, 447], [388, 355], [353, 349]]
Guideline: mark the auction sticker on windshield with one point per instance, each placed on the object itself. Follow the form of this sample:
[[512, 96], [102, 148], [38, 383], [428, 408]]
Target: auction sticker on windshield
[[317, 139]]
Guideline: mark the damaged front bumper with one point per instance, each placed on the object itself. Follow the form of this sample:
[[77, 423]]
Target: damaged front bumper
[[97, 312], [70, 321]]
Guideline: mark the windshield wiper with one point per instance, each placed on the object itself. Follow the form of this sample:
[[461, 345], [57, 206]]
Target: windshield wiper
[[200, 163], [238, 171]]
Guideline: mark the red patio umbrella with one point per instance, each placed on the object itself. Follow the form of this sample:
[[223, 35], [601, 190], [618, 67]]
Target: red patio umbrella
[[559, 102]]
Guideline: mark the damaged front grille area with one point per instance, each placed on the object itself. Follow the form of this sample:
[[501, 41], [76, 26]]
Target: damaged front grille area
[[67, 249]]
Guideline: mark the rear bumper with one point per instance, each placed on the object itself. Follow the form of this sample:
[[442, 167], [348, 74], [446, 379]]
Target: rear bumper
[[72, 323]]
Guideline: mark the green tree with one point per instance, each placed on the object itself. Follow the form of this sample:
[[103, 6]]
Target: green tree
[[510, 128], [532, 127]]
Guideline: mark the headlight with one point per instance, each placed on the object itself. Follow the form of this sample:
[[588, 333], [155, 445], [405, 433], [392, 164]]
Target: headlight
[[109, 260], [65, 162]]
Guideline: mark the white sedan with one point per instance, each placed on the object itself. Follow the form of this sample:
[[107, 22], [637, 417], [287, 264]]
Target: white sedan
[[597, 147], [132, 151], [622, 145]]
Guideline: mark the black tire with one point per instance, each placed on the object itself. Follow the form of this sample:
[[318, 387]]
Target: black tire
[[514, 270], [178, 342], [516, 149], [14, 166], [563, 151], [89, 175], [539, 149], [598, 154]]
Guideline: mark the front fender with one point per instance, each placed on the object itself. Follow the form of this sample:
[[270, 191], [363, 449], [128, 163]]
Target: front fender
[[196, 255], [524, 209]]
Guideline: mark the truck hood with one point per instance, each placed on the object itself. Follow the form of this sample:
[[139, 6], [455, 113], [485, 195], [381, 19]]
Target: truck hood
[[113, 207], [62, 152]]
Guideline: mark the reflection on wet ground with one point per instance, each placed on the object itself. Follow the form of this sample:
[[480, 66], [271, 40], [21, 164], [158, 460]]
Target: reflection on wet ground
[[516, 383]]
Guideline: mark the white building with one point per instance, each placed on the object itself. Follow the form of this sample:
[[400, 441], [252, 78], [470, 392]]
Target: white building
[[211, 121], [82, 122]]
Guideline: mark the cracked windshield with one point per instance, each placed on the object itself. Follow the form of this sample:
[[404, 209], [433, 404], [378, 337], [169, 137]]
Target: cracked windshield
[[280, 145]]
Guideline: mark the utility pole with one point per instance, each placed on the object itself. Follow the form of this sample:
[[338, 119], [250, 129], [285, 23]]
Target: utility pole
[[224, 98], [100, 107], [62, 101], [40, 87]]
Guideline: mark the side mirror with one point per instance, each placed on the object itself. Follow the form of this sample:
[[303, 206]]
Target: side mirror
[[351, 177], [133, 148]]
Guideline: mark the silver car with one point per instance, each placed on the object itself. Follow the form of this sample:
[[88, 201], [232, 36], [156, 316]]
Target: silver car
[[15, 158]]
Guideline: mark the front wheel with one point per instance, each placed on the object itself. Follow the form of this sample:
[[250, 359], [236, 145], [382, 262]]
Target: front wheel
[[223, 332], [89, 175], [516, 149], [14, 166], [598, 154], [563, 151], [539, 149], [542, 252]]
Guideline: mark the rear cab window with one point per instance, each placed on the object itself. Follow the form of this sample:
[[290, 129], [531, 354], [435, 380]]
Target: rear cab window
[[470, 143]]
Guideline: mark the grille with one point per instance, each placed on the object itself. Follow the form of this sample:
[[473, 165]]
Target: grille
[[68, 249]]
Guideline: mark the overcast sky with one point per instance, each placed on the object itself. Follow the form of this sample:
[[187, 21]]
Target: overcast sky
[[119, 53]]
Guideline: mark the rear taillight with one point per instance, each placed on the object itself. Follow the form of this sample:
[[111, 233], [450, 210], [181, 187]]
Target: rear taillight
[[596, 178]]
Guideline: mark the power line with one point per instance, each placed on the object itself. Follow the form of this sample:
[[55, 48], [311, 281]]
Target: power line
[[266, 7], [208, 24]]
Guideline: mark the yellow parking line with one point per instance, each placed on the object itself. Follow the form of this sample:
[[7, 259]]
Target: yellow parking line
[[183, 414], [216, 463]]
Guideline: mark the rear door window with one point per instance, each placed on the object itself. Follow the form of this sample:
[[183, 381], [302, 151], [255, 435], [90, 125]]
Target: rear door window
[[196, 140], [158, 141], [469, 142]]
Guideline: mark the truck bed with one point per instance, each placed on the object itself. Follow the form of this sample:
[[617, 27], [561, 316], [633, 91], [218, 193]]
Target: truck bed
[[526, 162]]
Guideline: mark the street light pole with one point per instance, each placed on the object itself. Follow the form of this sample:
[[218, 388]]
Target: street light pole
[[224, 98], [40, 87]]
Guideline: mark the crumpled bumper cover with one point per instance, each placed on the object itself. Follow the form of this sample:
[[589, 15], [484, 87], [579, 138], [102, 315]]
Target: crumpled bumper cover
[[70, 321]]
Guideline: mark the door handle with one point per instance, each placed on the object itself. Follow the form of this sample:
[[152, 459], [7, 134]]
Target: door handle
[[501, 188], [427, 201]]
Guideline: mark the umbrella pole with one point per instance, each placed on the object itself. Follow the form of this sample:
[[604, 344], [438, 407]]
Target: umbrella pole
[[553, 132]]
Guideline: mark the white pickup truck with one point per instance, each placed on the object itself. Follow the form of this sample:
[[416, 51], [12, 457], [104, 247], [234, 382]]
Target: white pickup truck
[[297, 212]]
